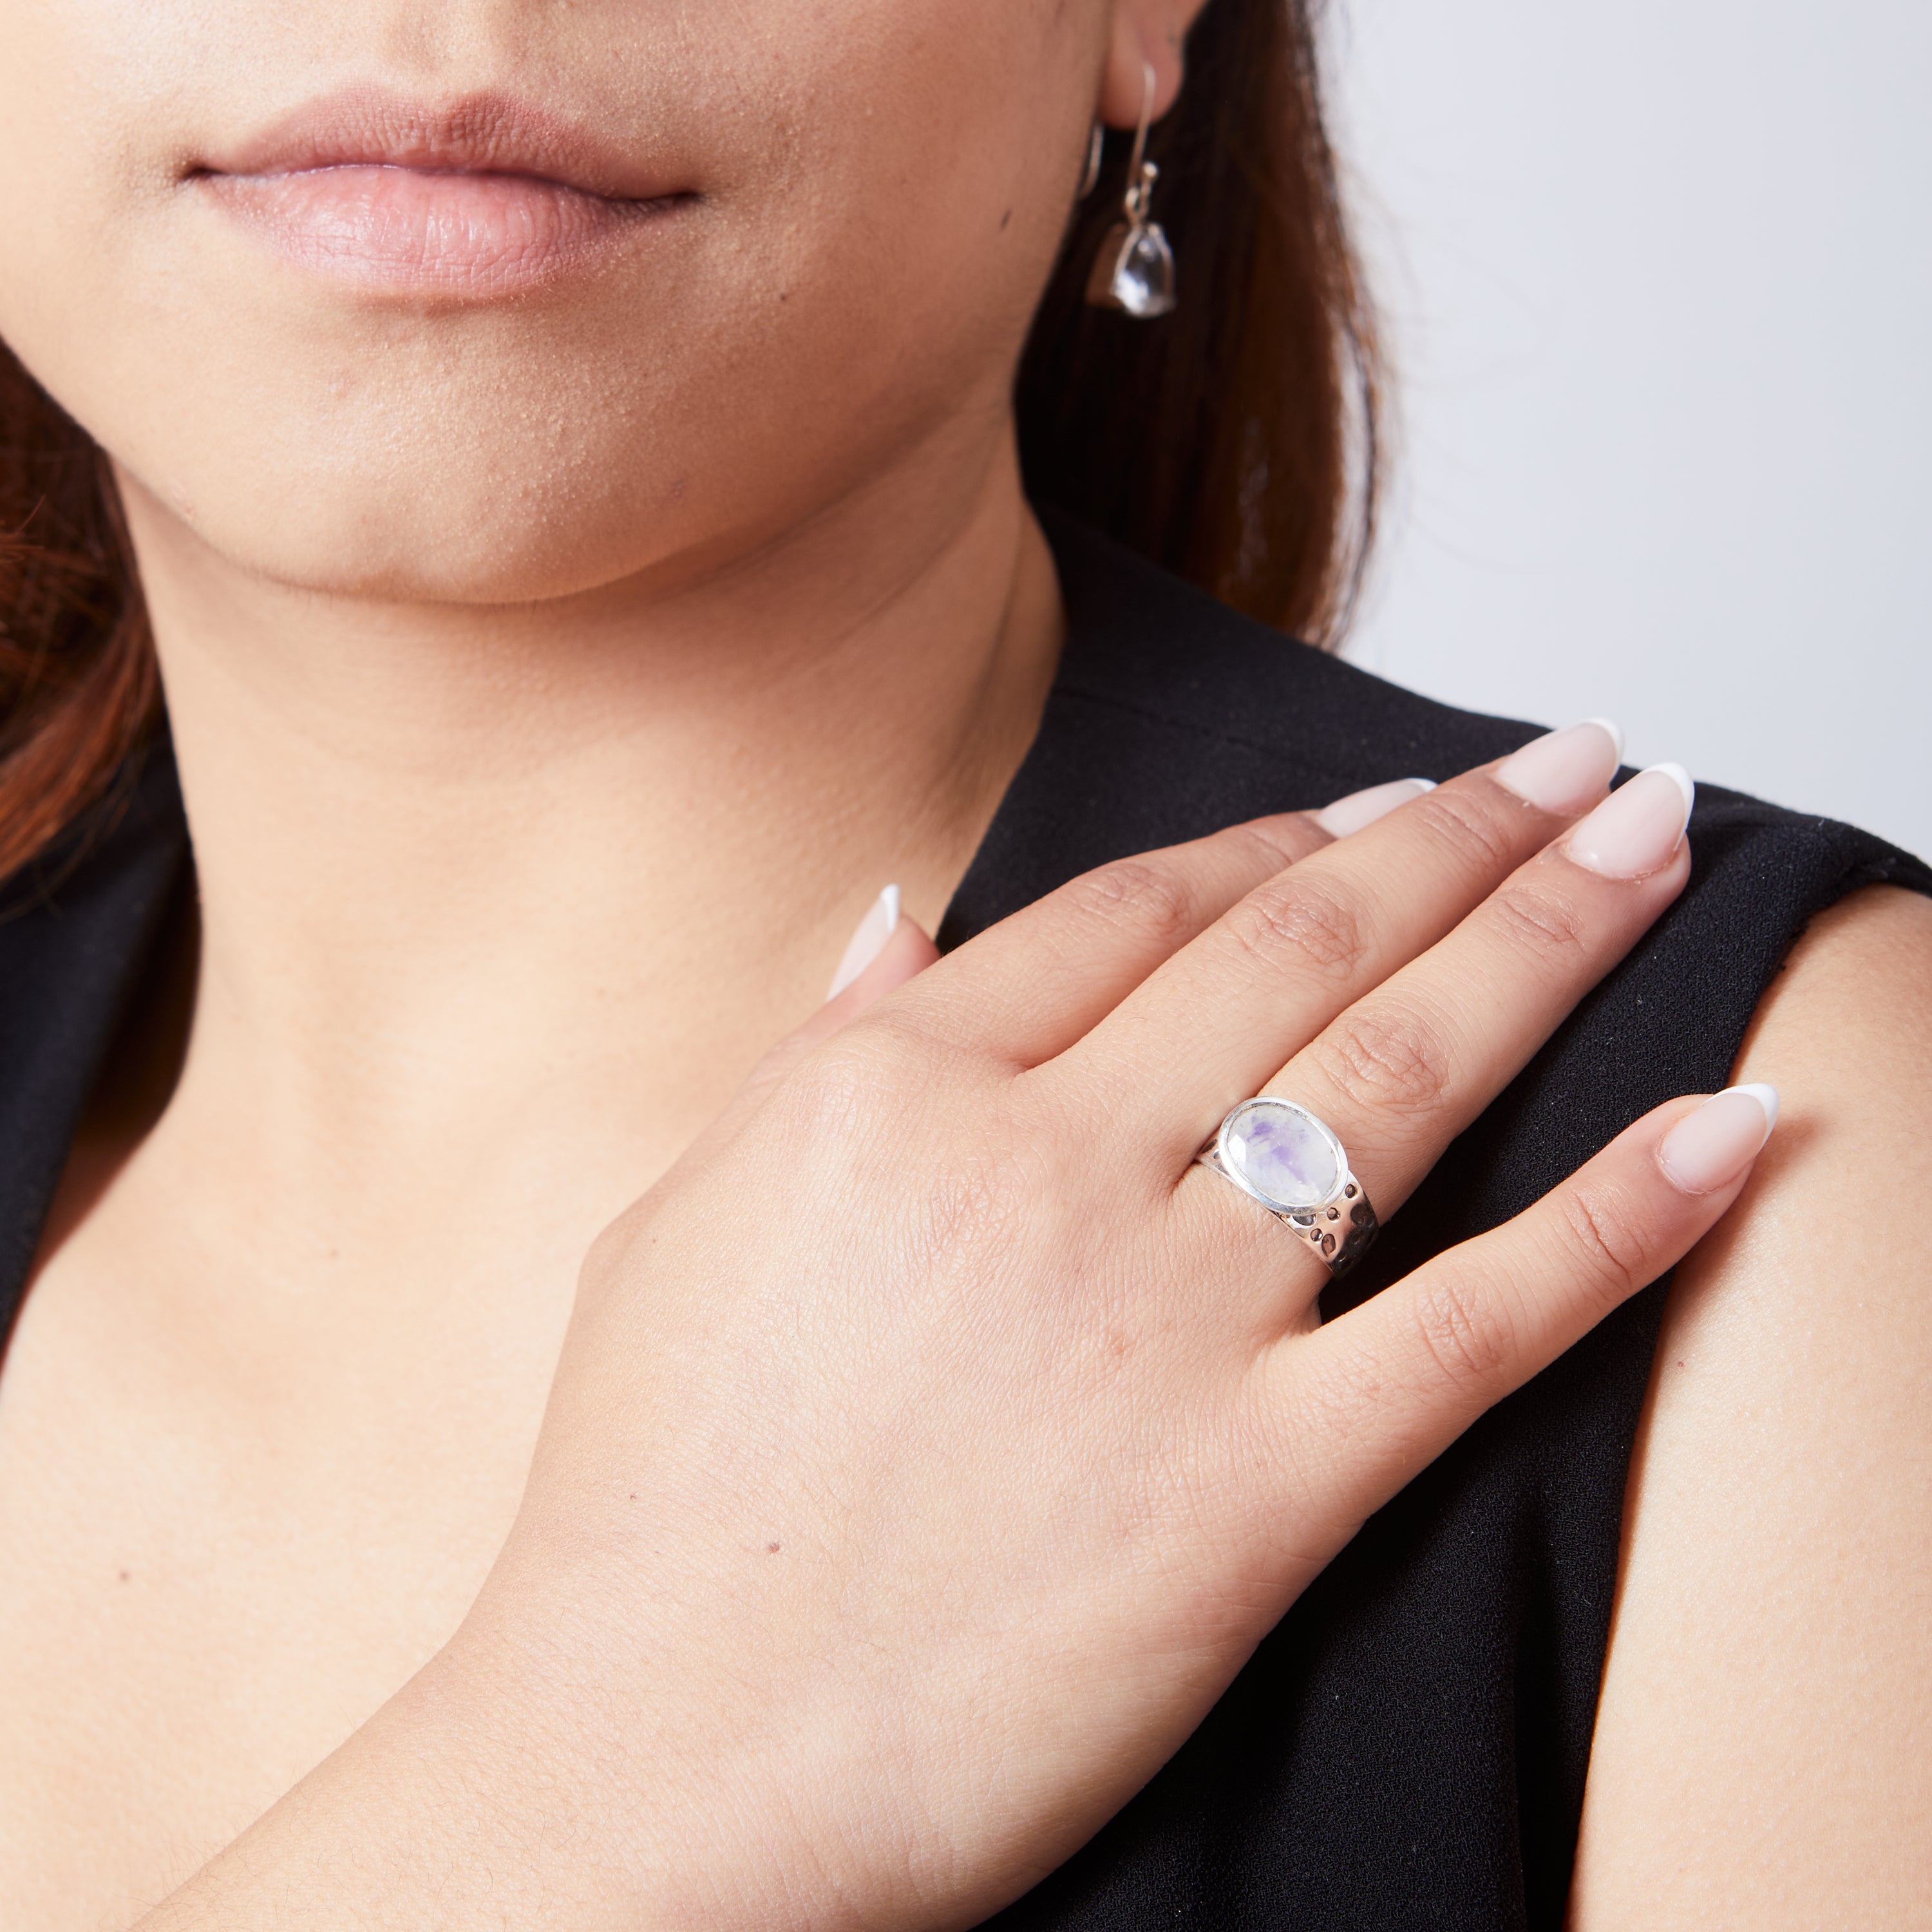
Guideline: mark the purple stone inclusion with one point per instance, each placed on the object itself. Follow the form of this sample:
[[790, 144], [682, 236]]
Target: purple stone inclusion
[[1280, 1153]]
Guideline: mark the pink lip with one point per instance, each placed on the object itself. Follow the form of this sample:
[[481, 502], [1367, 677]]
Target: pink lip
[[484, 196]]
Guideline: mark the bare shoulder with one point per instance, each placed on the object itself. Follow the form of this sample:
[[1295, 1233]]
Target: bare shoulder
[[1760, 1756]]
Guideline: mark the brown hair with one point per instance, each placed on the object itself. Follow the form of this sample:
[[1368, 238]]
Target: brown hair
[[1233, 441]]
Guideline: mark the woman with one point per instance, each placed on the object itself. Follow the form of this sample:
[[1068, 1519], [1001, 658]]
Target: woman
[[570, 460]]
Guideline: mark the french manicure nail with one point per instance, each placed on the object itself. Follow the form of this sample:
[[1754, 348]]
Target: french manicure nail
[[881, 921], [1635, 831], [1364, 808], [1564, 771], [1709, 1149]]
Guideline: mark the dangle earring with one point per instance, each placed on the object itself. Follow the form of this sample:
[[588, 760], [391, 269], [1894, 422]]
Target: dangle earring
[[1134, 271]]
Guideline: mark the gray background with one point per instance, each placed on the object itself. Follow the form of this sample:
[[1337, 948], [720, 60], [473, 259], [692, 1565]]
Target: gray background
[[1658, 283]]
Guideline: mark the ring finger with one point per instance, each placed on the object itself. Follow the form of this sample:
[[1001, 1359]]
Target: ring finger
[[1401, 1072]]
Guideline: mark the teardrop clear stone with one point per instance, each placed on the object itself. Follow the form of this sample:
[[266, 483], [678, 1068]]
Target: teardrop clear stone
[[1144, 273]]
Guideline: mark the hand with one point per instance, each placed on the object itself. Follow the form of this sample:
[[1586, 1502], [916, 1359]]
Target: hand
[[936, 1441]]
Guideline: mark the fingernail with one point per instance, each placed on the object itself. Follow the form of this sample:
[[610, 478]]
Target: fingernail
[[881, 920], [1364, 808], [1564, 771], [1635, 830], [1709, 1149]]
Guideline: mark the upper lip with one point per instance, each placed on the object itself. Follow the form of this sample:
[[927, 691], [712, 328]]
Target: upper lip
[[477, 133]]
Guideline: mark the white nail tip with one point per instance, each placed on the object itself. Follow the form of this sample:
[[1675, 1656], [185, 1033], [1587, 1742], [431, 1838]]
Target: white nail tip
[[881, 922], [1616, 730], [1679, 777], [1361, 809], [1766, 1097]]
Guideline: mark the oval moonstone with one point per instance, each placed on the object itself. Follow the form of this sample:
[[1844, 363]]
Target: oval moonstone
[[1277, 1149]]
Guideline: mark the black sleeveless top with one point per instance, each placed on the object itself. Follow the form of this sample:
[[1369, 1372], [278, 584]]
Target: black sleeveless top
[[1408, 1748]]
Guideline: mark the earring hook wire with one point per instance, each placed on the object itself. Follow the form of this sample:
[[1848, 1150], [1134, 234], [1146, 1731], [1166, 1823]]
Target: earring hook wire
[[1140, 171], [1148, 85]]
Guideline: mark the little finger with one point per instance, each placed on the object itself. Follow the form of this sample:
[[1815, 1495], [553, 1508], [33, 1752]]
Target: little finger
[[1388, 1386]]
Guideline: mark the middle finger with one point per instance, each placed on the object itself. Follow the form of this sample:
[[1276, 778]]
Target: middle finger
[[1210, 1025]]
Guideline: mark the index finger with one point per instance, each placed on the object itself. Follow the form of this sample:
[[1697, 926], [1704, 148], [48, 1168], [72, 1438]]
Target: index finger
[[1025, 989]]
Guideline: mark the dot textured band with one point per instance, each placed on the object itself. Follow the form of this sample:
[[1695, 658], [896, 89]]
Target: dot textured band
[[1291, 1162]]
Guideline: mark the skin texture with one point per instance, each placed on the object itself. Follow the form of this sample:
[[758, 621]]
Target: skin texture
[[556, 678], [1760, 1749]]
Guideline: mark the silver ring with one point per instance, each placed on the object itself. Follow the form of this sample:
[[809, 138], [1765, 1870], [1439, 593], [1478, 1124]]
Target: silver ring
[[1294, 1164]]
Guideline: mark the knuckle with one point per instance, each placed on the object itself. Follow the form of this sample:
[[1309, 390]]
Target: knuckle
[[1383, 1056], [1538, 919], [874, 1080], [1273, 845], [1468, 1339], [1154, 899], [830, 1092], [863, 1073], [1292, 924], [1603, 1239], [1461, 822]]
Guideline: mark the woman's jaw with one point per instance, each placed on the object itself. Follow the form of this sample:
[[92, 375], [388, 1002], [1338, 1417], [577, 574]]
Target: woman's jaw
[[478, 199]]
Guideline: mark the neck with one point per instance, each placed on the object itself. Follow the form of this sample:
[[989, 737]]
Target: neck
[[536, 885]]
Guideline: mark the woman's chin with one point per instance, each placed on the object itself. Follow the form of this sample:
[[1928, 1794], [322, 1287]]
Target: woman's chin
[[404, 547]]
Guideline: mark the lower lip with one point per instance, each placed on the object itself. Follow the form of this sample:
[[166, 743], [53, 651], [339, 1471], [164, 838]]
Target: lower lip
[[464, 235]]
